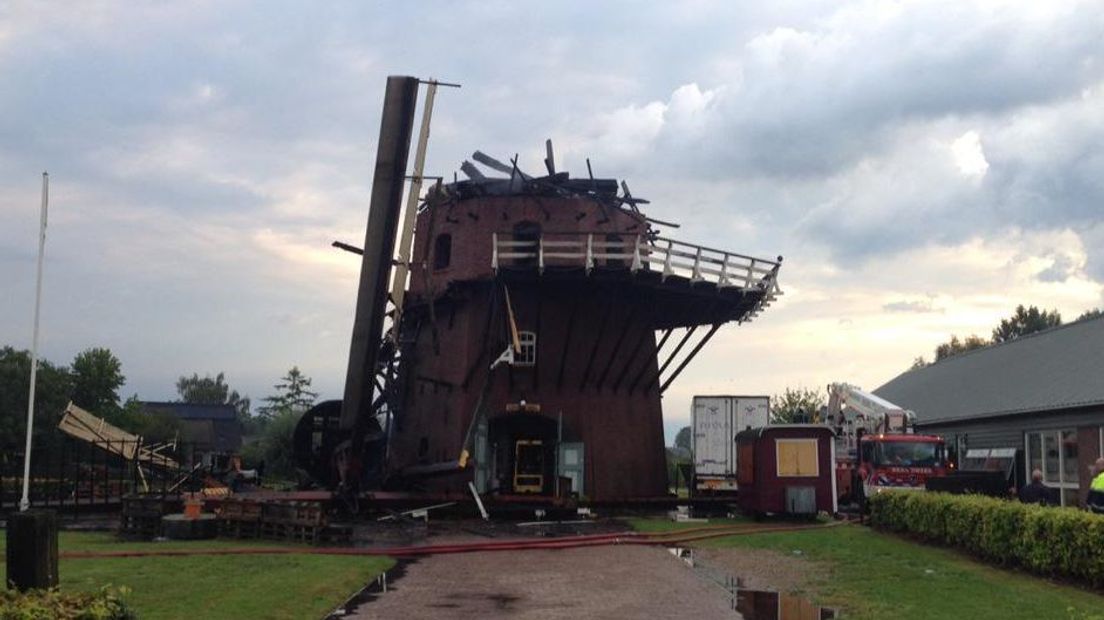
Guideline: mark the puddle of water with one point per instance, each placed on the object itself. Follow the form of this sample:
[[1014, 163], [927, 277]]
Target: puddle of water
[[684, 554], [372, 591], [767, 605], [756, 604]]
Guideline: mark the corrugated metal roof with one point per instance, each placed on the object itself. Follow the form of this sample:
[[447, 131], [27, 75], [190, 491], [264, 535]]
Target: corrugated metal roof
[[1058, 368]]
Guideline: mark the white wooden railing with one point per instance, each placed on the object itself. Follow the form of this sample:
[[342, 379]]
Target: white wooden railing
[[635, 253]]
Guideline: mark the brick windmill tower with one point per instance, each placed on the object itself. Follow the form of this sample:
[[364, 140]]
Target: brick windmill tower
[[543, 320]]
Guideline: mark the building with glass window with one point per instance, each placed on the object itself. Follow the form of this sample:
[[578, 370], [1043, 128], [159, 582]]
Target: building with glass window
[[1041, 395]]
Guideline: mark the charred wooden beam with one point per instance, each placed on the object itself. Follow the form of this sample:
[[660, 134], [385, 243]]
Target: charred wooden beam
[[648, 360], [655, 378], [597, 341], [485, 340], [536, 353], [663, 339], [388, 183], [648, 331], [348, 248], [567, 341], [436, 382], [690, 356], [616, 348]]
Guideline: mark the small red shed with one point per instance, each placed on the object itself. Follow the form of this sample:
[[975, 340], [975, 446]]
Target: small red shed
[[787, 469]]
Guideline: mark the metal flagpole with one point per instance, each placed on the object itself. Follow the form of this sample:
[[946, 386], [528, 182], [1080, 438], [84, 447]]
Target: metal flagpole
[[25, 502]]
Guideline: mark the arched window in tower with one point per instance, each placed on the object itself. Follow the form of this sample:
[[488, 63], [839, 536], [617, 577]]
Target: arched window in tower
[[528, 354], [442, 251], [527, 233]]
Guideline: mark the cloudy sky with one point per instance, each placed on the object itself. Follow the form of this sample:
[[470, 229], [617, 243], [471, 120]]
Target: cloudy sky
[[923, 168]]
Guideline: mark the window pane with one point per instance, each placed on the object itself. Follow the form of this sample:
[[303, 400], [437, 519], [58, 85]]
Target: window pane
[[1069, 456], [1069, 497], [807, 458], [787, 458], [1035, 453], [528, 354], [1050, 450], [796, 457]]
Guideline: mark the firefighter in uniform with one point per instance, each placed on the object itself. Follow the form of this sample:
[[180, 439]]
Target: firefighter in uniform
[[1095, 500]]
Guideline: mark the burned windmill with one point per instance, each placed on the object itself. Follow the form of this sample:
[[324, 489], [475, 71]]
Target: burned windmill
[[543, 319]]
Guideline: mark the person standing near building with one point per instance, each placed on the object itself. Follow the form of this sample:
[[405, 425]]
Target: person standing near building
[[1095, 500], [1036, 492]]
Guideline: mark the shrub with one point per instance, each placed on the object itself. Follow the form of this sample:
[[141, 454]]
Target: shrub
[[1063, 542], [106, 604]]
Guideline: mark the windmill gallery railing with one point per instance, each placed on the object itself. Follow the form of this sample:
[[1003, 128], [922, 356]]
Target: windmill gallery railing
[[636, 253]]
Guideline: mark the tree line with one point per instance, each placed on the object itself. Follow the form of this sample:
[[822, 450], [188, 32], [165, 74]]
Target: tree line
[[800, 404], [1023, 322], [93, 381]]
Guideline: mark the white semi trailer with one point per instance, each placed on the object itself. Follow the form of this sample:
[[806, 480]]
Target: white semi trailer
[[715, 420]]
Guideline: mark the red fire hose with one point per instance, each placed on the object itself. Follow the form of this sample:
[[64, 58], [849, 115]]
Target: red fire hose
[[667, 539]]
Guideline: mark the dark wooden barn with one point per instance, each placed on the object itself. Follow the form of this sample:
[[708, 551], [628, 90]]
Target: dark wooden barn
[[787, 469], [206, 430]]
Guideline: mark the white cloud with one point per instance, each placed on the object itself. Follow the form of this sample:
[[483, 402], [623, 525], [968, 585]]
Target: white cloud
[[968, 154], [832, 325], [942, 158]]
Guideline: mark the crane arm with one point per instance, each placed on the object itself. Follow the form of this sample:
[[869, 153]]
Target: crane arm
[[873, 408]]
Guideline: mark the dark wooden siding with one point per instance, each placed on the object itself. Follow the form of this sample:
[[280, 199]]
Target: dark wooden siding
[[1008, 432]]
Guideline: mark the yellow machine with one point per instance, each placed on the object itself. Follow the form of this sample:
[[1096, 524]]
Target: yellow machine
[[528, 466]]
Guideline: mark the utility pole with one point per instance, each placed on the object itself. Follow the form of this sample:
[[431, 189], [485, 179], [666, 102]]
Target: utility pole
[[25, 501]]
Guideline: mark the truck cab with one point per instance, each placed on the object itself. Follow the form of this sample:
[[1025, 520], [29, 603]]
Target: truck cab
[[899, 461], [877, 447]]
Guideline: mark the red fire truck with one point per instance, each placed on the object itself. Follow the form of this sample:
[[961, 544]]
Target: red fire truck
[[876, 446]]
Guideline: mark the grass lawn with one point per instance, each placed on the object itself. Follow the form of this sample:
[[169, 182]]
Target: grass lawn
[[868, 574], [652, 524], [277, 586]]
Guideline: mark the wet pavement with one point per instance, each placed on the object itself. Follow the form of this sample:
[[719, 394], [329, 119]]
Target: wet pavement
[[594, 582]]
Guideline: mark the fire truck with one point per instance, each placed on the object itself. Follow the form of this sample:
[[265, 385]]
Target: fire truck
[[877, 447]]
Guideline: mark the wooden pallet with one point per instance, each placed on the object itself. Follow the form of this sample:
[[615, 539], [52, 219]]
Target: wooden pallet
[[299, 521], [239, 529], [141, 514]]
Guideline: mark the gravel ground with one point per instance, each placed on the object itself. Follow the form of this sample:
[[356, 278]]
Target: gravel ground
[[761, 569], [447, 531], [594, 582]]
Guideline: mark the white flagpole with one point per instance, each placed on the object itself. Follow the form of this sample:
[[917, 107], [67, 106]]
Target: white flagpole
[[25, 502]]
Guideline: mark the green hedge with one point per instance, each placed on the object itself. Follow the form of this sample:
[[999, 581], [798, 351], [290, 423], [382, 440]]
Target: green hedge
[[1063, 542], [106, 604]]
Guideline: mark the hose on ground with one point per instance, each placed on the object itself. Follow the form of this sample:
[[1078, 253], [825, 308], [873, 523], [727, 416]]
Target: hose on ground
[[666, 539]]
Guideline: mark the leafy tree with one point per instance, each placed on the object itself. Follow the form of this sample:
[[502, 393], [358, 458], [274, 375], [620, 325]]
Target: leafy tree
[[796, 405], [683, 438], [954, 346], [210, 390], [1091, 314], [275, 446], [97, 377], [153, 426], [675, 462], [1025, 321], [293, 395], [53, 385]]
